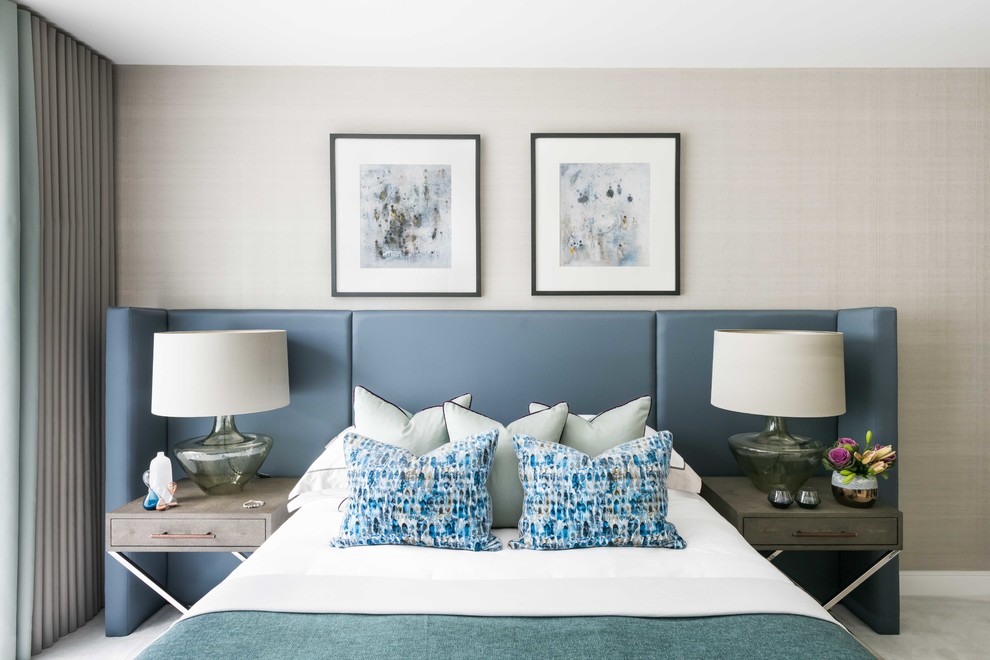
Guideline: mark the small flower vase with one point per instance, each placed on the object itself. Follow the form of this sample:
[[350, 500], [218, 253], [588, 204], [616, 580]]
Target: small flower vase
[[859, 493]]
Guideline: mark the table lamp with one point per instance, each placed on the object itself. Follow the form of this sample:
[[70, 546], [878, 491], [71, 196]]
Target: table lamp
[[778, 373], [220, 374]]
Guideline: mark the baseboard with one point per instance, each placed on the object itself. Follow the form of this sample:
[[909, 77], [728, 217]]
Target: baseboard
[[946, 584]]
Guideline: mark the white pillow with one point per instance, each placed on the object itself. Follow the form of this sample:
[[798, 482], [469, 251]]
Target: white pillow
[[504, 486], [326, 477], [682, 476], [595, 434], [380, 420]]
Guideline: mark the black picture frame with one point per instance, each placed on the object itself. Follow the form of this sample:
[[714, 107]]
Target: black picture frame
[[550, 151], [461, 152]]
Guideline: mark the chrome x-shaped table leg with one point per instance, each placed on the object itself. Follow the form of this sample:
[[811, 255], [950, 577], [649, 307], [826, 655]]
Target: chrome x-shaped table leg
[[152, 583], [880, 563]]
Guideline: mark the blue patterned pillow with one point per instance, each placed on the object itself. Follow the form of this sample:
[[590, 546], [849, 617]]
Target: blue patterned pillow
[[438, 500], [576, 501]]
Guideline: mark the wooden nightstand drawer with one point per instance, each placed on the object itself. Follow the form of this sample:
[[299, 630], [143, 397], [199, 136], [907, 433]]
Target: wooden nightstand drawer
[[781, 531], [201, 523], [169, 532]]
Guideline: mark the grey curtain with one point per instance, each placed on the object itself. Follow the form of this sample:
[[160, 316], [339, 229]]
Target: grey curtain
[[57, 263], [74, 101], [19, 295]]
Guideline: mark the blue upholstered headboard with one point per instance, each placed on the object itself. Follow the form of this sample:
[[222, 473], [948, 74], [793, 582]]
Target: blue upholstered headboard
[[506, 359]]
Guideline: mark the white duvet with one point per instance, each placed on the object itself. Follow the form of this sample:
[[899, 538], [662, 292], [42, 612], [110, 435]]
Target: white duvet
[[718, 573]]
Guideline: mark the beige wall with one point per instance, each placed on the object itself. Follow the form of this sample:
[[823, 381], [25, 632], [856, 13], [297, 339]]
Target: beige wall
[[800, 189]]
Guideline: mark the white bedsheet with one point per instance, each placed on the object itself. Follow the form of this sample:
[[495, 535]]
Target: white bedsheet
[[718, 573]]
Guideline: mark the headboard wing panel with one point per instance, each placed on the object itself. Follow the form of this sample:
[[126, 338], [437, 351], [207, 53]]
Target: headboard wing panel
[[133, 436], [870, 338], [592, 360]]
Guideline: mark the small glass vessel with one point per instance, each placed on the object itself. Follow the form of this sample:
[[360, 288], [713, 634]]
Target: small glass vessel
[[151, 500], [807, 498], [780, 498]]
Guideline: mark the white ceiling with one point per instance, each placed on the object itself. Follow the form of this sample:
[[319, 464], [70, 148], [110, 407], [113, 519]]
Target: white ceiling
[[532, 33]]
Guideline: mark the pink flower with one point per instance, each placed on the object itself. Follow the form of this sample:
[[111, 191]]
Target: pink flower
[[845, 457], [839, 457]]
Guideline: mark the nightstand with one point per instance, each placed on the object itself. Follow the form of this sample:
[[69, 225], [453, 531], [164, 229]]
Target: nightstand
[[201, 523], [830, 526]]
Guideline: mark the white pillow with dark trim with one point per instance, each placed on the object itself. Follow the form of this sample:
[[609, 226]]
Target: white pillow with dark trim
[[504, 485], [596, 434], [381, 420]]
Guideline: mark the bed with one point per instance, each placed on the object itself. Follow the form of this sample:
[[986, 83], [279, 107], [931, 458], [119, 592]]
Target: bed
[[299, 598], [718, 598]]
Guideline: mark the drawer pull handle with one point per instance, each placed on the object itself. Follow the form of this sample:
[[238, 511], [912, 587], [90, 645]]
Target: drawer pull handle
[[166, 535], [826, 535]]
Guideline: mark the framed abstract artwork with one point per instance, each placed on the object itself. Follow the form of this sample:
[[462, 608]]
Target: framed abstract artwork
[[606, 213], [404, 215]]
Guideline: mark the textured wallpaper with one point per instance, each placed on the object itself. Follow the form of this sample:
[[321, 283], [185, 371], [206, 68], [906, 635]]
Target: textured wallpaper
[[799, 189]]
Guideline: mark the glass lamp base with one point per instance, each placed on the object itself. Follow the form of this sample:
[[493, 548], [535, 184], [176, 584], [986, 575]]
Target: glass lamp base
[[775, 459], [224, 461]]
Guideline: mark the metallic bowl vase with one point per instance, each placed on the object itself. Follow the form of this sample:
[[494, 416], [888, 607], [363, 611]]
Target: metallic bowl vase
[[859, 493]]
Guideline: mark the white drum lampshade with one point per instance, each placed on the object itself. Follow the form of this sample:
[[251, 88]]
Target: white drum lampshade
[[220, 374], [778, 374]]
